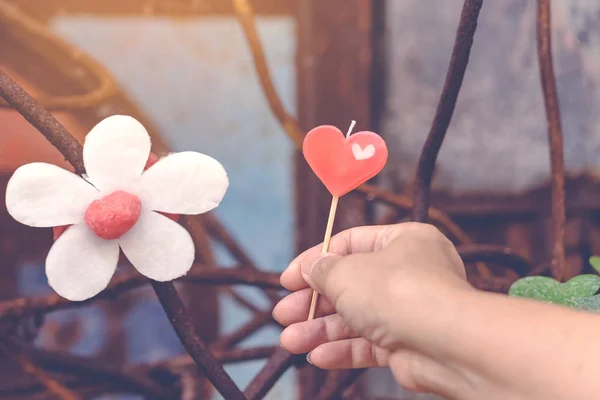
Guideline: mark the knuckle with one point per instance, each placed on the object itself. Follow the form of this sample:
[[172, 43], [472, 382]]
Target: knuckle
[[347, 331], [416, 236], [420, 229], [431, 231], [385, 236]]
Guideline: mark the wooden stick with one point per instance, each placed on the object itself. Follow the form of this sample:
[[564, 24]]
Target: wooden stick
[[327, 239], [325, 249]]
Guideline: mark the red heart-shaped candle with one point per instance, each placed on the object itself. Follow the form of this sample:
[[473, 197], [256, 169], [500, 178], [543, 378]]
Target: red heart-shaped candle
[[343, 163]]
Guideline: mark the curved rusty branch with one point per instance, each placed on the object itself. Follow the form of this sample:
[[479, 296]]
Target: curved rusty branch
[[84, 372], [245, 15], [13, 18], [231, 356], [87, 367], [52, 385], [198, 350], [495, 255], [498, 284], [548, 81], [198, 275], [72, 150], [231, 339], [276, 366], [43, 121], [404, 202], [223, 236], [445, 108], [334, 387]]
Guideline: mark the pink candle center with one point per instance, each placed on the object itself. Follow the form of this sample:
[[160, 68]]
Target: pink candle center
[[112, 216]]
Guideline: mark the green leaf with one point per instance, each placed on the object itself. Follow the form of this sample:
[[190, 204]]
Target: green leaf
[[550, 290], [590, 303], [581, 286], [595, 263], [535, 287]]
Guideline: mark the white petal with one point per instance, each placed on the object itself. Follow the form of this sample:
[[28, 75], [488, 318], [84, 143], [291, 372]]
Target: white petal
[[184, 183], [158, 247], [115, 152], [80, 264], [45, 195]]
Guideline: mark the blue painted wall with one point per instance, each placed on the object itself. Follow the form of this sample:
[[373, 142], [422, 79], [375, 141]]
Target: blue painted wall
[[195, 79]]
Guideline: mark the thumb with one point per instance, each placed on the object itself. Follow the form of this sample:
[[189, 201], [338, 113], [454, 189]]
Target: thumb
[[318, 270]]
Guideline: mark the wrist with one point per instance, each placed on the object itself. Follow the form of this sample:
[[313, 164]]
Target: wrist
[[429, 315], [433, 336], [445, 318]]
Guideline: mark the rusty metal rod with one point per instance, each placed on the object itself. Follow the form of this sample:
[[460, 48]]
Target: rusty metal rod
[[198, 275], [276, 366], [198, 350], [555, 139], [443, 115]]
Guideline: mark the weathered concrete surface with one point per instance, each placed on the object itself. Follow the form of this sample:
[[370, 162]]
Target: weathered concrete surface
[[497, 139]]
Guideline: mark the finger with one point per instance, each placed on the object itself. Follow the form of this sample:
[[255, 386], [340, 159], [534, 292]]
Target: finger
[[295, 306], [349, 353], [362, 239], [292, 278], [305, 336]]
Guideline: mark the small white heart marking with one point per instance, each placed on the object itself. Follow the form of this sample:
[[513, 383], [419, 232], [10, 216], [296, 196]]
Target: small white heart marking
[[363, 154]]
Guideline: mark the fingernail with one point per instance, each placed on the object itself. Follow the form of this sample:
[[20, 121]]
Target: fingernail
[[308, 359], [308, 266]]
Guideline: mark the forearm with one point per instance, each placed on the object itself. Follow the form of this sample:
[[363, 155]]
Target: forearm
[[509, 348]]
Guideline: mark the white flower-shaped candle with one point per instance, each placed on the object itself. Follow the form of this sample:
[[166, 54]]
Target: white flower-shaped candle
[[118, 205]]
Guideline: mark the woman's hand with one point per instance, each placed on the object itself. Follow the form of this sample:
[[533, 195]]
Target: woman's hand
[[387, 292], [396, 297]]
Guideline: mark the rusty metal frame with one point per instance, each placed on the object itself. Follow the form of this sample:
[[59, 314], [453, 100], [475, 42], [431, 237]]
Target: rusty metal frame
[[164, 380]]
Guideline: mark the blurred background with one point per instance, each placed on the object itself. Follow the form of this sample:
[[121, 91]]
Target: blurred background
[[184, 68]]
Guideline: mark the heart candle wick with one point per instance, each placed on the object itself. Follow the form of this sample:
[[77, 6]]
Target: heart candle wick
[[350, 129]]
